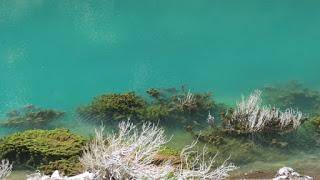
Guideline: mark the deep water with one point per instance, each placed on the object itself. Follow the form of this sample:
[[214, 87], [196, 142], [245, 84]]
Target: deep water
[[60, 54]]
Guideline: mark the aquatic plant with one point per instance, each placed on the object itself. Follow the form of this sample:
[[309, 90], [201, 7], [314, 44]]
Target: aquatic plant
[[114, 107], [153, 92], [211, 120], [250, 127], [5, 169], [186, 102], [130, 155], [31, 117], [193, 103], [162, 106], [213, 136], [293, 95], [250, 116], [155, 113], [316, 122], [183, 107], [34, 148]]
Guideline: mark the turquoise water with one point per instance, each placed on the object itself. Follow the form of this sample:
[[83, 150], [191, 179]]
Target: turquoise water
[[60, 54]]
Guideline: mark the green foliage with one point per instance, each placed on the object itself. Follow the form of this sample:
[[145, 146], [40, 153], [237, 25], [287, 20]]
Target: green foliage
[[191, 112], [66, 167], [155, 113], [114, 106], [202, 103], [36, 147], [163, 105]]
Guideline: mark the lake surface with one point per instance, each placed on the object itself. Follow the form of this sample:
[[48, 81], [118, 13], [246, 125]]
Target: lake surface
[[60, 54]]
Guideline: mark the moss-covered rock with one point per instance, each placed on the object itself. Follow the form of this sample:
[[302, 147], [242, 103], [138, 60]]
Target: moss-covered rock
[[39, 147]]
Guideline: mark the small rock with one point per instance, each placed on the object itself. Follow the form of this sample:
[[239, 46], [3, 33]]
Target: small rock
[[287, 173]]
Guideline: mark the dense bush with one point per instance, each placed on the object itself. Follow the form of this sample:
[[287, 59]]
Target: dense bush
[[34, 148]]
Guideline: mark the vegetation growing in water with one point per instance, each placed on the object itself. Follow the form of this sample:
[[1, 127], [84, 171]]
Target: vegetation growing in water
[[251, 117], [114, 106], [179, 106], [31, 117], [251, 128], [293, 95]]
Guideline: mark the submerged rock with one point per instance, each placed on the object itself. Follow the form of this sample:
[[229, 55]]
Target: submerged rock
[[288, 173]]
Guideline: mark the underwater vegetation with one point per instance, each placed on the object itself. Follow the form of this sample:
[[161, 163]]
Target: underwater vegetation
[[293, 95], [115, 106], [252, 130], [43, 149], [31, 117], [316, 122], [163, 105], [249, 132], [250, 116]]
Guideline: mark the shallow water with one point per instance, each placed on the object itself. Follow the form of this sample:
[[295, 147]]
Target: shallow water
[[60, 54]]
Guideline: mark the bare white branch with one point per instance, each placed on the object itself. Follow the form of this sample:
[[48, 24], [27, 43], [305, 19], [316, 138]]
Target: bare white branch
[[130, 154], [254, 117], [197, 165], [5, 169], [211, 120], [186, 100]]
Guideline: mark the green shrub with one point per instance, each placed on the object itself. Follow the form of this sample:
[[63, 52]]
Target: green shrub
[[38, 147]]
